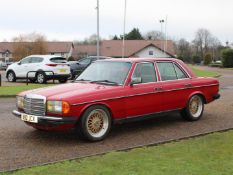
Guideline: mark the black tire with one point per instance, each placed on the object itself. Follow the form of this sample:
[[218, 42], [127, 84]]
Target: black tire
[[11, 76], [41, 78], [95, 131], [62, 80], [194, 108]]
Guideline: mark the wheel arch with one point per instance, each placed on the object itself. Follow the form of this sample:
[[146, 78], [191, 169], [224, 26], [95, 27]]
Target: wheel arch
[[96, 104], [10, 70], [201, 94]]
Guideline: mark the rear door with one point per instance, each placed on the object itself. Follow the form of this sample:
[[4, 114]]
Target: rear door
[[175, 85]]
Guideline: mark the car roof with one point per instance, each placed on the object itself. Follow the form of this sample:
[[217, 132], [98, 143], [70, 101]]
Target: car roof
[[133, 60], [102, 57], [45, 56]]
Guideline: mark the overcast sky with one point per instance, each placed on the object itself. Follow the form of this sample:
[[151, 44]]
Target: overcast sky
[[76, 19]]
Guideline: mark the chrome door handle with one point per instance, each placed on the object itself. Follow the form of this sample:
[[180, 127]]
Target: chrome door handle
[[188, 85], [158, 88]]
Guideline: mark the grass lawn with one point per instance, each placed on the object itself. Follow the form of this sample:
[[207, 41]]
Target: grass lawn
[[211, 154], [13, 90], [204, 73]]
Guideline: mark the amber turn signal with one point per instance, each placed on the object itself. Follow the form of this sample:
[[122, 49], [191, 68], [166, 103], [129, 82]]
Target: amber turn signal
[[65, 107]]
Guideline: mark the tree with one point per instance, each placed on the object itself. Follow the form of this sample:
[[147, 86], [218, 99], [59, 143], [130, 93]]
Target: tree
[[205, 42], [154, 35], [134, 35], [115, 37], [227, 57], [196, 59], [207, 59], [183, 50], [29, 44]]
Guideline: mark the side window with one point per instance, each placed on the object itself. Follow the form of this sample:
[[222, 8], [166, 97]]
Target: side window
[[36, 60], [167, 71], [146, 71], [26, 60], [180, 74]]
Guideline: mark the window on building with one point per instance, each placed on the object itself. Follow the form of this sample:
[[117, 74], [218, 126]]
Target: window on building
[[151, 52]]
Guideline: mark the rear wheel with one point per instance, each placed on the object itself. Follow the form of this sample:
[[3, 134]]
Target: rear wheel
[[41, 77], [62, 80], [11, 76], [194, 109], [95, 123]]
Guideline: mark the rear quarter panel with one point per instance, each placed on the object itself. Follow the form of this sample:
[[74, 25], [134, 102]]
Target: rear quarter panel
[[208, 87]]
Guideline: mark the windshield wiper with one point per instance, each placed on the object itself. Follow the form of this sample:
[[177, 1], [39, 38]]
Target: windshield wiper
[[80, 80], [105, 81]]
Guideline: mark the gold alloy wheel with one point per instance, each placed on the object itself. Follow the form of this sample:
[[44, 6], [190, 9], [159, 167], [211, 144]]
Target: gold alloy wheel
[[195, 106], [97, 123]]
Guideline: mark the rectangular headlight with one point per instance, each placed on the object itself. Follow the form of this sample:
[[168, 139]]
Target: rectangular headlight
[[54, 106], [20, 102]]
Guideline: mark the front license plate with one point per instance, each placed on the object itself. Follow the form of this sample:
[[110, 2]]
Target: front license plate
[[62, 70], [29, 118]]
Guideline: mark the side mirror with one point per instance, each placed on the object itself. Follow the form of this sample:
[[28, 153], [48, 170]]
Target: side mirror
[[19, 63], [135, 80]]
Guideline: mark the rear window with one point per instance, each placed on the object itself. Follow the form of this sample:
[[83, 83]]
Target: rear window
[[58, 60]]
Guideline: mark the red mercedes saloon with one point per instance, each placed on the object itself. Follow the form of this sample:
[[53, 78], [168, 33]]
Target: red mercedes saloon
[[114, 90]]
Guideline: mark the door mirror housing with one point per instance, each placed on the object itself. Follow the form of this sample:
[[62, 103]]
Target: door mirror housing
[[19, 63], [135, 80]]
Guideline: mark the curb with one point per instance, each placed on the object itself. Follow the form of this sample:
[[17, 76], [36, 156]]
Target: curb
[[124, 149], [7, 96]]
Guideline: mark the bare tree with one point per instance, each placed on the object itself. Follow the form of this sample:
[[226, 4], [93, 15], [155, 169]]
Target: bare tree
[[202, 41], [29, 44], [183, 50], [154, 35]]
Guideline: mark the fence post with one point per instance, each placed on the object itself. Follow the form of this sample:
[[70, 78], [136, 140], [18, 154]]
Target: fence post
[[0, 79]]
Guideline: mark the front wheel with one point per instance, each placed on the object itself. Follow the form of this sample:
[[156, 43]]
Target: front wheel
[[95, 123], [194, 109]]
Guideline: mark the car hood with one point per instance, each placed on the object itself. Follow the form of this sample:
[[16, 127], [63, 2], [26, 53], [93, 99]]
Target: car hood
[[75, 92]]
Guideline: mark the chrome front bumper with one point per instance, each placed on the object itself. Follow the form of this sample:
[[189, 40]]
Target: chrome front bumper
[[50, 120]]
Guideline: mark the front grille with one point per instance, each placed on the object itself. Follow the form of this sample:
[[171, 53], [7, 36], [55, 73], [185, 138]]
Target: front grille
[[34, 106]]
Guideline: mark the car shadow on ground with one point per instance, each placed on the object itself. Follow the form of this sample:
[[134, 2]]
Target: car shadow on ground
[[117, 131]]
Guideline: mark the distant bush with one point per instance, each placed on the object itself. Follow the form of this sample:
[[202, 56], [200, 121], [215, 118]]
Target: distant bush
[[207, 59], [71, 58], [196, 59], [227, 57]]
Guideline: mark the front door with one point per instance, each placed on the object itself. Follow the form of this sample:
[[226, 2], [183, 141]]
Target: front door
[[23, 67], [142, 98]]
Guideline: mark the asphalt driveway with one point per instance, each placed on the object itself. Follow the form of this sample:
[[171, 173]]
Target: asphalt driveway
[[21, 145]]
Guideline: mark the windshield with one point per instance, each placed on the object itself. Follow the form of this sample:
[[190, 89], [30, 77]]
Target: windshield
[[107, 72]]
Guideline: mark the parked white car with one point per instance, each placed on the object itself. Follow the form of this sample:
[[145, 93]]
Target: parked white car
[[45, 67]]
